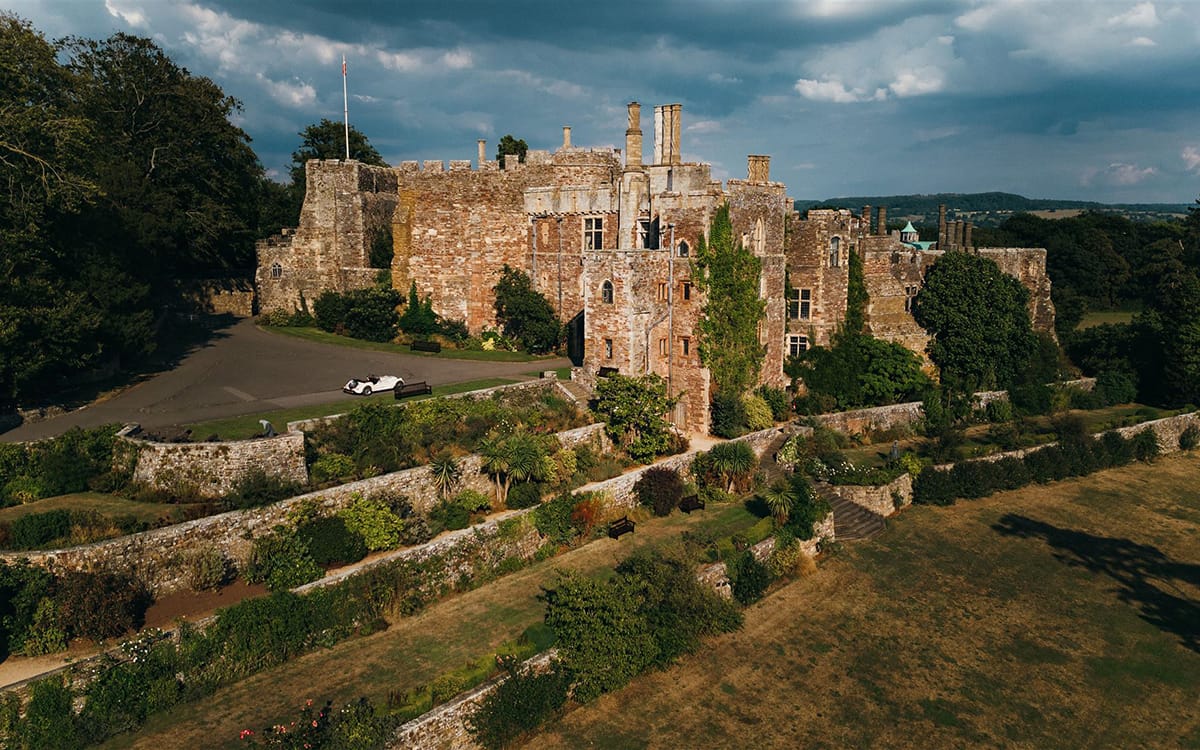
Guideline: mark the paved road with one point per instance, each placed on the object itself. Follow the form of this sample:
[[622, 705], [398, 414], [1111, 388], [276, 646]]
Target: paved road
[[244, 370]]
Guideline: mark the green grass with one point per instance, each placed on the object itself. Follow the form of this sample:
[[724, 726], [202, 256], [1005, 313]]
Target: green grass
[[563, 373], [109, 506], [1034, 618], [1101, 317], [412, 651], [247, 426], [324, 337]]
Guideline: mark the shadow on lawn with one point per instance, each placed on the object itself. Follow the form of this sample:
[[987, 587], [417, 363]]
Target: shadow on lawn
[[1144, 573]]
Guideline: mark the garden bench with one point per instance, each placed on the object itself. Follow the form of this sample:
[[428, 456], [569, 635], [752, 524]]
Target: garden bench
[[620, 526], [425, 346], [419, 388], [690, 503]]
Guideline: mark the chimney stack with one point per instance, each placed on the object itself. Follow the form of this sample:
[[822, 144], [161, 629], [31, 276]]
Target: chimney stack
[[942, 239], [956, 235], [566, 137], [633, 137], [967, 237], [666, 134], [866, 220], [882, 228], [758, 168], [482, 152]]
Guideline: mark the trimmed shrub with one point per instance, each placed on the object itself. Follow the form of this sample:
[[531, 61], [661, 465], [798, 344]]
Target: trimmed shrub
[[1116, 387], [281, 561], [660, 489], [553, 519], [728, 416], [524, 495], [207, 569], [1145, 446], [100, 605], [329, 541], [23, 588], [473, 501], [758, 413], [521, 704], [331, 466], [37, 529], [257, 488], [449, 516], [998, 410], [749, 578], [777, 400], [49, 722], [1189, 438], [379, 526], [934, 487]]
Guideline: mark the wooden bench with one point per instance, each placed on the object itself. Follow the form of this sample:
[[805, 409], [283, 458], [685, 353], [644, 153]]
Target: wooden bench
[[425, 346], [419, 388], [690, 503], [620, 526]]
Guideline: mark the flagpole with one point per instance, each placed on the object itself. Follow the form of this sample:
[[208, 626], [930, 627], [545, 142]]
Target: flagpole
[[345, 108]]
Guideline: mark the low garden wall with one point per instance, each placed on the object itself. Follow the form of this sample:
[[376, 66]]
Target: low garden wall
[[1167, 430], [213, 469], [883, 500], [157, 557]]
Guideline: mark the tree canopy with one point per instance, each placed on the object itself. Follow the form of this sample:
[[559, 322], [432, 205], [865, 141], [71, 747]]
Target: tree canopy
[[127, 180], [978, 319], [524, 314], [510, 145]]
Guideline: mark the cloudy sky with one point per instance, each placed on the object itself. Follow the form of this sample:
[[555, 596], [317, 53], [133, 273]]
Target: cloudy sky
[[1095, 100]]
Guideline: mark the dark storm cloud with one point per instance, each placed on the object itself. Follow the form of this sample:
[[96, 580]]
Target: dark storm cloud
[[1072, 98]]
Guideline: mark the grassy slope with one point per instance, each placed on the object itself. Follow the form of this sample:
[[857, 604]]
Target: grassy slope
[[413, 651], [106, 505], [954, 630]]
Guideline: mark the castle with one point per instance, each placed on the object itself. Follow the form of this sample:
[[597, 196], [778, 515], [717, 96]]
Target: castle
[[607, 241]]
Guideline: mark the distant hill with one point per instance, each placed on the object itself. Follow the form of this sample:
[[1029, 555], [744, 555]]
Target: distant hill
[[990, 209]]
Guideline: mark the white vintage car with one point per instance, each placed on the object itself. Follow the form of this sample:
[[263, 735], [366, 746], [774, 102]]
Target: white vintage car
[[372, 384]]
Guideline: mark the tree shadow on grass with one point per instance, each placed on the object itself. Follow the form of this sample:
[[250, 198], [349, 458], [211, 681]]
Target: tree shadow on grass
[[1147, 578]]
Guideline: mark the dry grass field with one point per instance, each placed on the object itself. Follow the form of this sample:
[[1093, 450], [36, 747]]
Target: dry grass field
[[1065, 616]]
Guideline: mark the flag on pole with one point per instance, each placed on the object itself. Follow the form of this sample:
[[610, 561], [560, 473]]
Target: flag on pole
[[343, 65], [346, 108]]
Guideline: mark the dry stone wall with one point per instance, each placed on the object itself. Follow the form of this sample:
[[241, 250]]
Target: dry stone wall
[[158, 557], [214, 468], [883, 500]]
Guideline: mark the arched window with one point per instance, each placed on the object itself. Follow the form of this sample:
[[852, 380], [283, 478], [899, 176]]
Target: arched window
[[835, 245], [760, 238], [606, 292], [683, 249], [276, 271]]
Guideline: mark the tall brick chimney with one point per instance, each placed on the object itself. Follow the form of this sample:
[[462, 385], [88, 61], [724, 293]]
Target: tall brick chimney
[[482, 152], [967, 236], [758, 168], [566, 137], [866, 220], [882, 227], [633, 136], [942, 239]]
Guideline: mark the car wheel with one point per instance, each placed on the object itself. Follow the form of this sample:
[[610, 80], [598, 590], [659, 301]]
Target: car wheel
[[367, 391]]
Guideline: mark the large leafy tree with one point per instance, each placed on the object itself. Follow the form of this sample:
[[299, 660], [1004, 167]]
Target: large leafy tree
[[509, 145], [327, 140], [728, 275], [978, 319], [524, 313]]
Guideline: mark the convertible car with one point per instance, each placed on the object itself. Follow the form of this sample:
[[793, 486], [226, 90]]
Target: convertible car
[[372, 384]]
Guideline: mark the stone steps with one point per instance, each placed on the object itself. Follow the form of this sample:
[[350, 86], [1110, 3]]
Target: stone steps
[[582, 395], [851, 522]]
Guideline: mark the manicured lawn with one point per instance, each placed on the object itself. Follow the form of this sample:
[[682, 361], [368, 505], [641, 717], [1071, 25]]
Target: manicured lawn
[[110, 506], [1105, 316], [324, 337], [247, 426], [413, 651], [1064, 616]]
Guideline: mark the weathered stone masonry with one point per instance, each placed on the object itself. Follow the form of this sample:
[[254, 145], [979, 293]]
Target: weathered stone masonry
[[607, 240]]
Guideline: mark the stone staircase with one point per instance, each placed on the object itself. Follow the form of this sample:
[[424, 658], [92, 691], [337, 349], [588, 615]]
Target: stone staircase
[[581, 395], [850, 521]]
